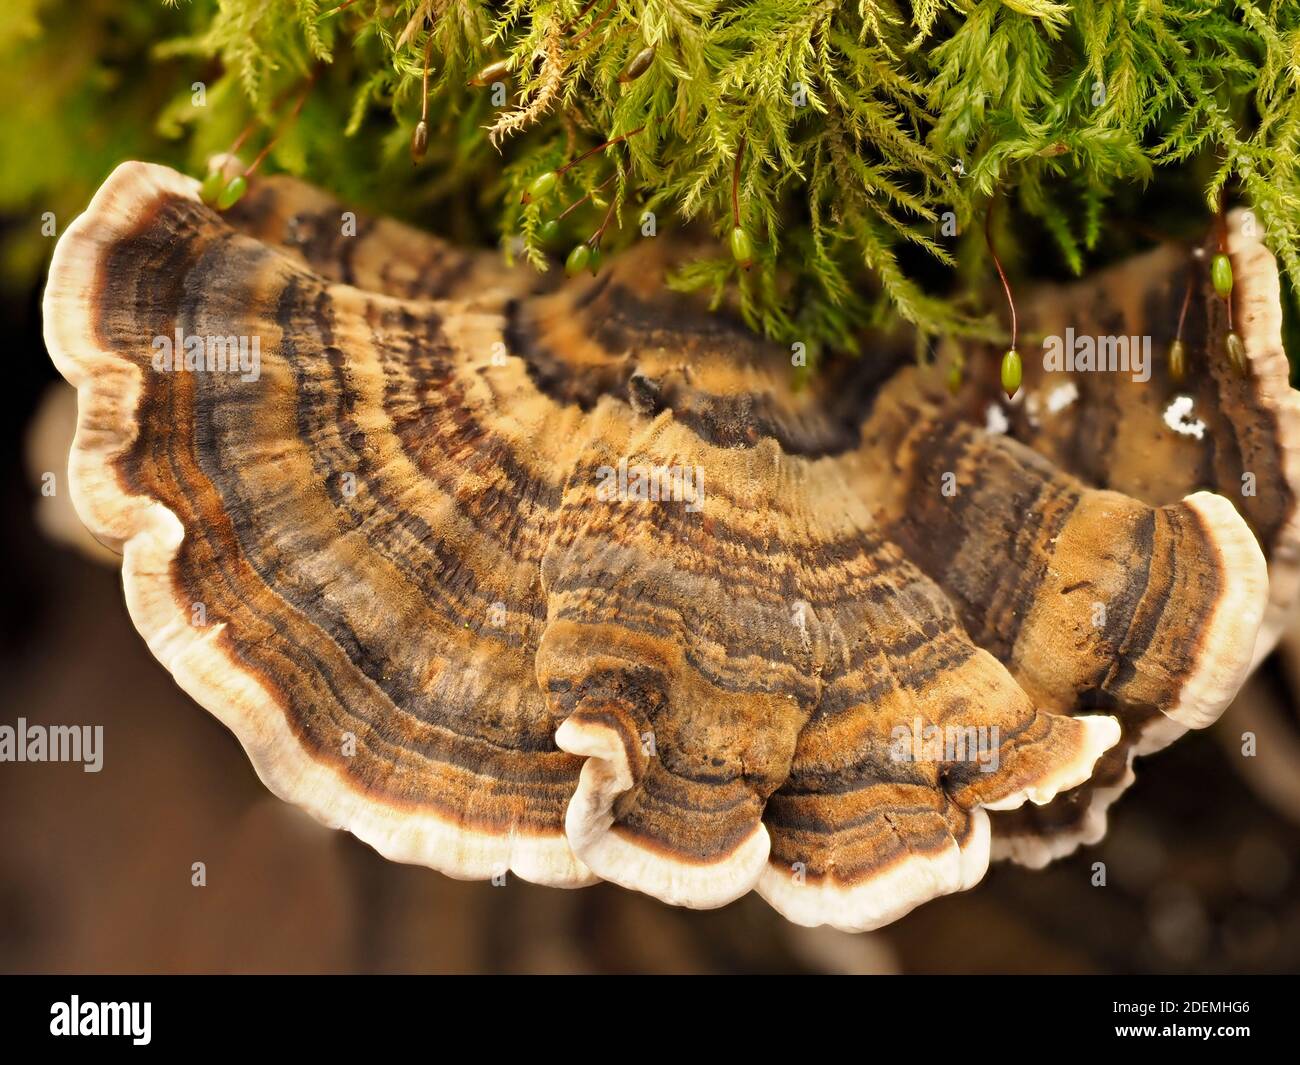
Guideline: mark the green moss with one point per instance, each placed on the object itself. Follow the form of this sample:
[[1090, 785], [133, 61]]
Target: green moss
[[870, 135]]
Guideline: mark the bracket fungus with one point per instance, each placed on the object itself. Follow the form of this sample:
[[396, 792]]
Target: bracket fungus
[[568, 580]]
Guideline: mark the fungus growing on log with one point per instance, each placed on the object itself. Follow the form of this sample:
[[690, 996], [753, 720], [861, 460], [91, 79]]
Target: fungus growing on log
[[574, 583]]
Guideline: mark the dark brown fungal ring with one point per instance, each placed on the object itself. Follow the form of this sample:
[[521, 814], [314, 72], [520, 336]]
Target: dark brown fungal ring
[[577, 585]]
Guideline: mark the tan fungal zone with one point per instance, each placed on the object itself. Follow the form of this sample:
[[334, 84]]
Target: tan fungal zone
[[572, 583]]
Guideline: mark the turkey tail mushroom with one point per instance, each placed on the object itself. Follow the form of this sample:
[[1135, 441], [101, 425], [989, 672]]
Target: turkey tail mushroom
[[575, 584]]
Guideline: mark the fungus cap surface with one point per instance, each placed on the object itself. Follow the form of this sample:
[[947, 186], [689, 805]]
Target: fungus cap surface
[[574, 584]]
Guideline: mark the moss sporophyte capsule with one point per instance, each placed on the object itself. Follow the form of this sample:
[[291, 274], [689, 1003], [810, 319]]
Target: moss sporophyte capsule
[[578, 260], [492, 72], [541, 187], [1237, 355], [232, 193], [742, 248], [211, 187], [1221, 275], [637, 65], [420, 140], [1177, 361], [954, 377], [1012, 372], [221, 194]]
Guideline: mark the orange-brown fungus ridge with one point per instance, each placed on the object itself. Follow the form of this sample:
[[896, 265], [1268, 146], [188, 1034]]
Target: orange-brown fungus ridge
[[570, 581]]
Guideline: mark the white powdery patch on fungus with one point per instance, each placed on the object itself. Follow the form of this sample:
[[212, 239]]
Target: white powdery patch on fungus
[[1033, 407], [1178, 418], [1061, 397], [995, 420]]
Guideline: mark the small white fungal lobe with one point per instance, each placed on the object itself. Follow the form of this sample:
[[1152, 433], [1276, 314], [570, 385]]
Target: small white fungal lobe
[[995, 421], [1178, 418], [1033, 407], [1061, 397]]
